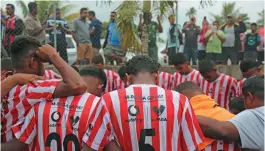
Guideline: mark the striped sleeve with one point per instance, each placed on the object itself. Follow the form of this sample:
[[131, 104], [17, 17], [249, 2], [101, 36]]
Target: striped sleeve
[[44, 90], [50, 74], [191, 132], [25, 130], [234, 88], [99, 134], [174, 81]]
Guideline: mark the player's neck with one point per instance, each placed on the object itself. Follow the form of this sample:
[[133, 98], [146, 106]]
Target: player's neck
[[217, 75], [144, 80], [189, 70], [12, 15]]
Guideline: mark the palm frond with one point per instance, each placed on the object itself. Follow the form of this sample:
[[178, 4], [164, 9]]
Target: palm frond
[[244, 17], [103, 2], [72, 16], [125, 20], [23, 7], [261, 18]]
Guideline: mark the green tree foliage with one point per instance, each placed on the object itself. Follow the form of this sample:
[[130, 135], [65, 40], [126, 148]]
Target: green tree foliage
[[191, 12]]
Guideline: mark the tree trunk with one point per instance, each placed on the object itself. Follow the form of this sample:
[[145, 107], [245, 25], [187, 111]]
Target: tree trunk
[[145, 30]]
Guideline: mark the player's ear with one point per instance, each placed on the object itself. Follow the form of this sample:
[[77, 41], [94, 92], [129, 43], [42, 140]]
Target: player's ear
[[156, 77], [129, 79]]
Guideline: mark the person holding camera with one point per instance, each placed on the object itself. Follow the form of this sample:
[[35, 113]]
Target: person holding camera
[[232, 44], [214, 39], [33, 26], [191, 31], [61, 28]]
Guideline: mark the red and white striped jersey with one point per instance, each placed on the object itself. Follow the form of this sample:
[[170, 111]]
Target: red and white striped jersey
[[222, 145], [18, 102], [165, 80], [63, 120], [111, 77], [119, 84], [144, 117], [50, 74], [221, 90], [240, 86], [194, 76]]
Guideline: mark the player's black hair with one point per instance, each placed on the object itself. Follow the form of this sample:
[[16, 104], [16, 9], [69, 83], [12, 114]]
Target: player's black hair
[[141, 63], [75, 67], [92, 13], [12, 6], [206, 66], [113, 12], [6, 64], [248, 64], [95, 72], [188, 86], [179, 59], [83, 9], [98, 59], [237, 103], [122, 71], [20, 49], [32, 5], [255, 86], [254, 24]]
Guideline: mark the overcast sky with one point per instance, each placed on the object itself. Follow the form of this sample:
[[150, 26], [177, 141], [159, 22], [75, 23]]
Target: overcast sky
[[251, 7]]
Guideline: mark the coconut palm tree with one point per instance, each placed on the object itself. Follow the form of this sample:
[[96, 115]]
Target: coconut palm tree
[[44, 6], [129, 10], [191, 12], [228, 8], [261, 18]]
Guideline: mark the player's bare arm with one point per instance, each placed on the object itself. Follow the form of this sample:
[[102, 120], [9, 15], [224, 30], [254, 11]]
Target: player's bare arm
[[220, 130], [19, 78], [14, 145], [72, 83]]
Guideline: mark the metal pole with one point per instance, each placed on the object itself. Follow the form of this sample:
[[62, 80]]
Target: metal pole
[[177, 50], [54, 28]]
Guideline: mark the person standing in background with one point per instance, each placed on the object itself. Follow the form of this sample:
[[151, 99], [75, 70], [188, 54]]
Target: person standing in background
[[14, 26], [33, 26], [252, 43], [81, 36], [241, 51], [201, 42], [153, 28], [232, 43], [214, 39], [191, 31], [174, 39], [3, 23], [95, 32], [112, 44], [60, 31], [261, 48]]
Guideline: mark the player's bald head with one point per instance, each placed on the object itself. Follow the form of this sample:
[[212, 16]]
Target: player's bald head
[[189, 89]]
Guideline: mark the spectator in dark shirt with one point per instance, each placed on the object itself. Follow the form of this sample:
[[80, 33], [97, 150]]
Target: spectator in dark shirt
[[252, 42], [60, 31], [191, 31], [95, 31], [14, 26]]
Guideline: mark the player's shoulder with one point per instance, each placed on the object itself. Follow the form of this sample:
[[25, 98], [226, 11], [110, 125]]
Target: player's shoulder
[[196, 71], [230, 78]]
